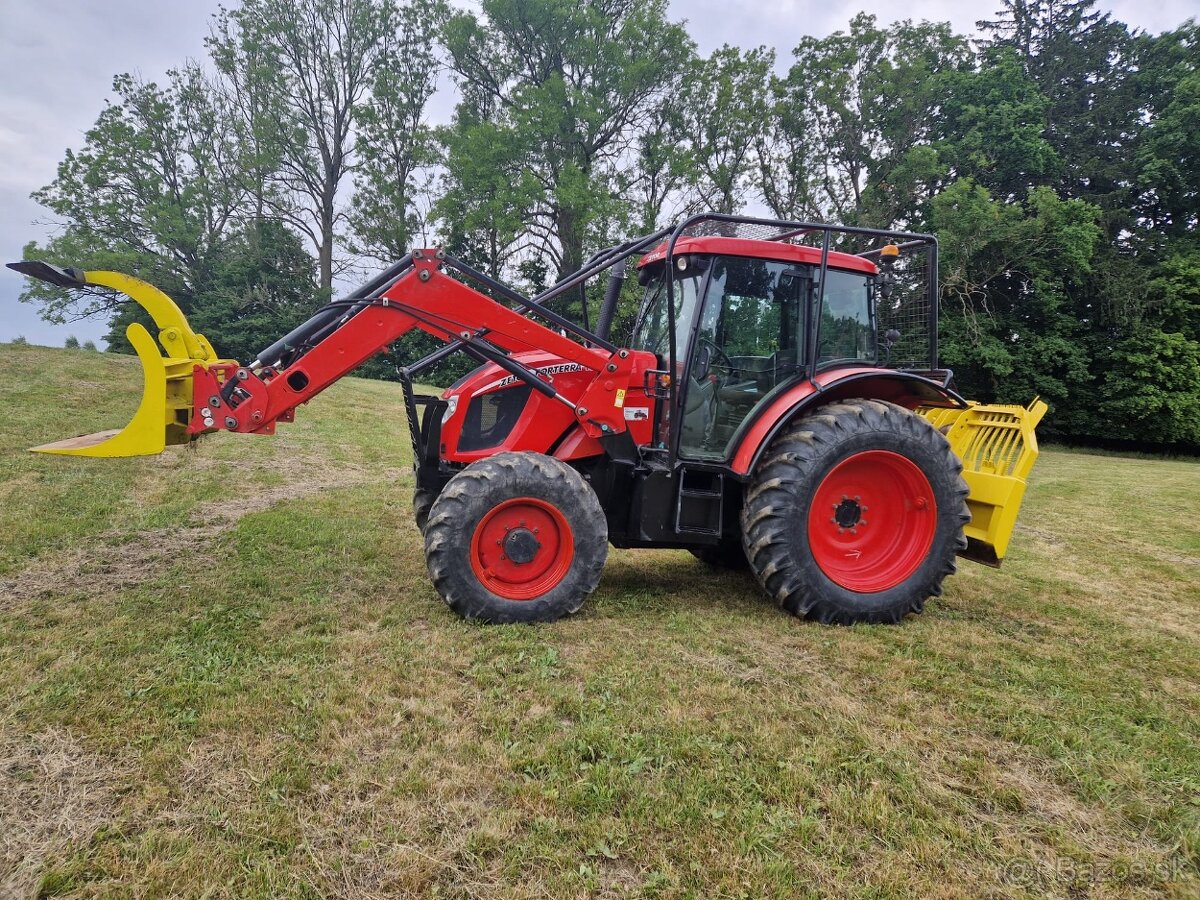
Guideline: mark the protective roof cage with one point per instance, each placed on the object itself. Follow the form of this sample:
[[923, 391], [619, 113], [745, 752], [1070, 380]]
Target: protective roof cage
[[910, 310], [906, 318]]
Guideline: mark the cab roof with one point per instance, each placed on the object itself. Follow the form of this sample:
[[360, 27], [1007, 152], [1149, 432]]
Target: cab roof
[[777, 250]]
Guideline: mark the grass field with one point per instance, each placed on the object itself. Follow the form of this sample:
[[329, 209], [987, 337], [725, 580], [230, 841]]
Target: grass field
[[224, 673]]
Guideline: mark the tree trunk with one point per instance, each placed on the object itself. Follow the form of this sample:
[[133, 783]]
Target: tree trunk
[[325, 250], [570, 236]]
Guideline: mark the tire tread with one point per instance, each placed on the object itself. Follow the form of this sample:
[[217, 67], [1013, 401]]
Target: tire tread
[[476, 490], [786, 472]]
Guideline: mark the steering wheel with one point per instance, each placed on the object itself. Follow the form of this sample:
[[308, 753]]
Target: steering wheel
[[718, 354]]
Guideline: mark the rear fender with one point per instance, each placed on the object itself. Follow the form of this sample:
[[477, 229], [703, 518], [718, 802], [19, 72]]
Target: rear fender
[[902, 388], [996, 443]]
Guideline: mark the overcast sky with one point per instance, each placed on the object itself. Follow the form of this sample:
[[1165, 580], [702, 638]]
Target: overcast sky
[[59, 58]]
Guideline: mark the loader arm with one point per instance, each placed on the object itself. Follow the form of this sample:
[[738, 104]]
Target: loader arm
[[206, 394]]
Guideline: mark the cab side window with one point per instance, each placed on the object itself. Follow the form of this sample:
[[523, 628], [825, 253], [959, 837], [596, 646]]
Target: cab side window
[[750, 338], [847, 331]]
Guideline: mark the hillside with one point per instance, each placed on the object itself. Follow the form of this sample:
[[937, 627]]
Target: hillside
[[223, 671]]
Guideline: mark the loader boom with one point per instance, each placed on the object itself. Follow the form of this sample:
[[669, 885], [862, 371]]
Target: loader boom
[[424, 298], [211, 394]]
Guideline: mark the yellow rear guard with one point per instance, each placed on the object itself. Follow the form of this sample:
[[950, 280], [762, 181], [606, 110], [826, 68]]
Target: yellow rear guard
[[997, 446], [163, 415]]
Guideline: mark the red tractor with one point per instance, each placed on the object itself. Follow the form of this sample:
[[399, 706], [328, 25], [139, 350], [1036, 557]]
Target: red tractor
[[778, 406]]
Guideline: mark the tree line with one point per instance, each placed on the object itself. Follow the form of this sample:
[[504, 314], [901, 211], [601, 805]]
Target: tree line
[[1056, 154]]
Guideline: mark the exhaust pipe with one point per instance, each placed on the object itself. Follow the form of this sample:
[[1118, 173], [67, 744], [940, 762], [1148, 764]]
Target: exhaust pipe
[[612, 294]]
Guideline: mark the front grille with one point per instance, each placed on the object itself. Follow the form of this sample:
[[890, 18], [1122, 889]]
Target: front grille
[[491, 417]]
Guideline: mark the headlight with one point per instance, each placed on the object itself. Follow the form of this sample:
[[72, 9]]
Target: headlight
[[451, 406]]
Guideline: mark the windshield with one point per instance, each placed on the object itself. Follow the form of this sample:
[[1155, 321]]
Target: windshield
[[651, 331]]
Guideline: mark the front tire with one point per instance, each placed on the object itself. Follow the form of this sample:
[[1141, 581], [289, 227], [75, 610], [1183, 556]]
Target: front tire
[[517, 537], [422, 503], [855, 514]]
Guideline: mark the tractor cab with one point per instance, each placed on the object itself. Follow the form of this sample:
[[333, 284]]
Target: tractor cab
[[747, 325]]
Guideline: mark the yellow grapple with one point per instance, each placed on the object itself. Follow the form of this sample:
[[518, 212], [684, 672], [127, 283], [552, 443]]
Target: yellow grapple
[[997, 446], [165, 410]]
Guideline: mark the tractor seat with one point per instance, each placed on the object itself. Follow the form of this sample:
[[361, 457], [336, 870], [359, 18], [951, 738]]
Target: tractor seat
[[761, 373]]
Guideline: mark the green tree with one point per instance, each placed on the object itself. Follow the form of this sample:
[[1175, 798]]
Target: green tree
[[487, 191], [310, 66], [264, 286], [1149, 390], [790, 177], [655, 186], [396, 147], [724, 103], [262, 283], [1168, 154], [148, 193], [1083, 63], [990, 127], [564, 89], [162, 188], [1008, 328], [1120, 113], [861, 105], [71, 343], [698, 149]]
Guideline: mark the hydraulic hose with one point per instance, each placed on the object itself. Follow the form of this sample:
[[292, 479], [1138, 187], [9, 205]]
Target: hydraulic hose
[[327, 319]]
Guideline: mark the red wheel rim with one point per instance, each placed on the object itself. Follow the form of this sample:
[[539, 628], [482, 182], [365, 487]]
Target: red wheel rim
[[522, 548], [872, 521]]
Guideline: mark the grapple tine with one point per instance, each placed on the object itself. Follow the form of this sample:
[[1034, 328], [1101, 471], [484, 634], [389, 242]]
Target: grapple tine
[[146, 433], [165, 410]]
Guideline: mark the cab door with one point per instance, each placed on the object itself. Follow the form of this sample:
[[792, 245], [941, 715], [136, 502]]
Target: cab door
[[749, 338]]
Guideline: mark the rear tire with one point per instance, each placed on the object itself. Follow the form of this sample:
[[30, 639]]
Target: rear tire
[[855, 514], [517, 537]]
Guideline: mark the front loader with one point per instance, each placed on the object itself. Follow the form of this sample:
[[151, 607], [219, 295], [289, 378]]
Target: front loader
[[778, 406]]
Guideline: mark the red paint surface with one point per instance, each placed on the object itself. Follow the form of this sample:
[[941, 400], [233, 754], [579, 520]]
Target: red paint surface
[[896, 529], [777, 250], [550, 564]]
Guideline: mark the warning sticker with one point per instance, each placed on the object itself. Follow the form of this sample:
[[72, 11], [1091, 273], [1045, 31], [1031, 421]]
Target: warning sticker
[[620, 401]]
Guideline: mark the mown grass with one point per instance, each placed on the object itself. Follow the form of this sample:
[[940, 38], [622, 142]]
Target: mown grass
[[224, 673]]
